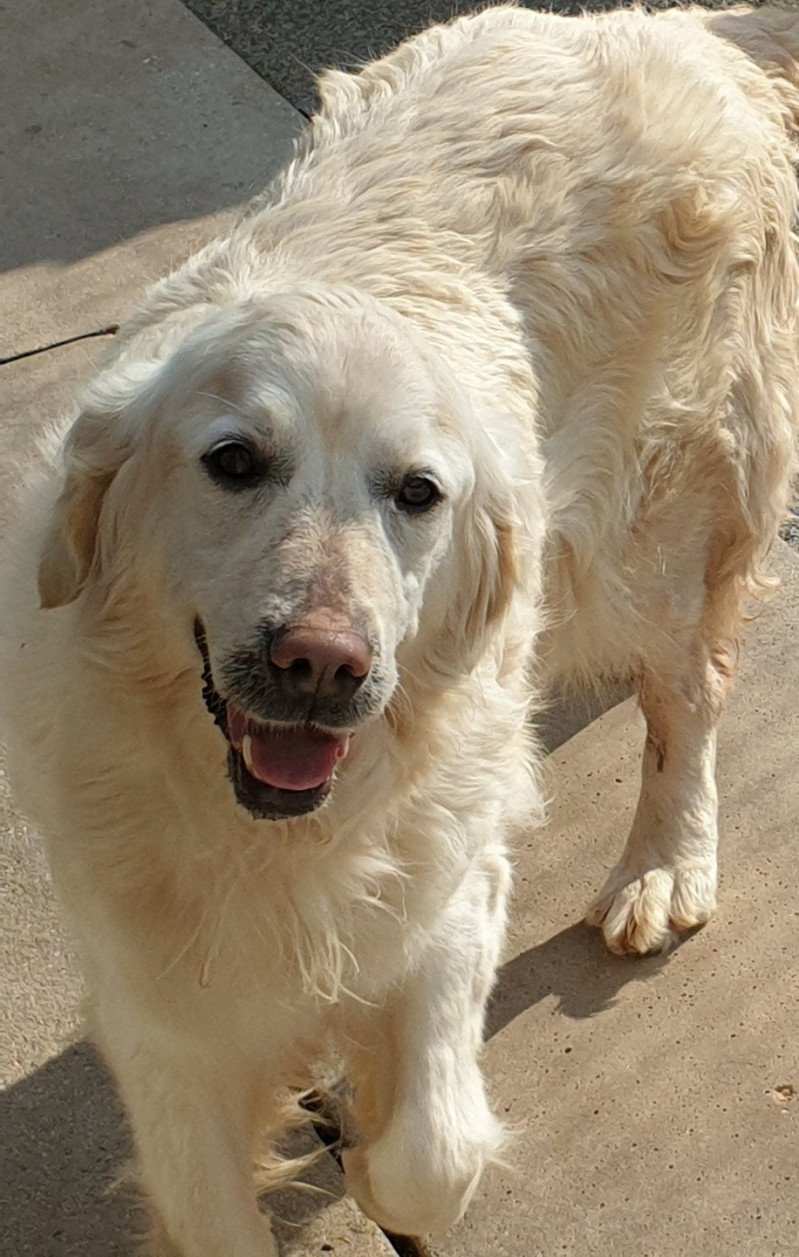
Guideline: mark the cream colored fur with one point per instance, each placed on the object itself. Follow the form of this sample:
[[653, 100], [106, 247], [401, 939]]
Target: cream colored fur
[[552, 258]]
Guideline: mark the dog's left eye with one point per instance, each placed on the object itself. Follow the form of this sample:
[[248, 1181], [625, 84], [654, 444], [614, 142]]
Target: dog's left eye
[[417, 494], [233, 465]]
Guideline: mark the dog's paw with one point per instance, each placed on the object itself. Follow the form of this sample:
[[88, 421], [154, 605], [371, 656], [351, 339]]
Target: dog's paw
[[643, 912], [422, 1190], [399, 1198]]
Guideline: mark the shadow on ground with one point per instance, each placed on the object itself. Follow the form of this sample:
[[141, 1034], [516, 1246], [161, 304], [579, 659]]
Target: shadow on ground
[[64, 1146], [575, 967]]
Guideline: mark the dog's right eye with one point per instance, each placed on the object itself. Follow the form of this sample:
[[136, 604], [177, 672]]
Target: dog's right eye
[[233, 465]]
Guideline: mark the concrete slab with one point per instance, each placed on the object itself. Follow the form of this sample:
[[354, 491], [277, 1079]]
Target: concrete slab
[[128, 131], [64, 1140], [655, 1100]]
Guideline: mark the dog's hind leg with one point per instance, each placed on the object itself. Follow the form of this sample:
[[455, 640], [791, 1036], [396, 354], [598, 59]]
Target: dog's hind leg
[[420, 1104]]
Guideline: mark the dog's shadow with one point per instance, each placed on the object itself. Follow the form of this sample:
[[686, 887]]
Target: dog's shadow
[[63, 1148], [575, 968]]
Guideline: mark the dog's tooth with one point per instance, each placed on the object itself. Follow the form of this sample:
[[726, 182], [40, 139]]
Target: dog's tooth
[[246, 751]]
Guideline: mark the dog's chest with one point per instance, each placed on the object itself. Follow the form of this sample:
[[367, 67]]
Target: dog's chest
[[272, 954]]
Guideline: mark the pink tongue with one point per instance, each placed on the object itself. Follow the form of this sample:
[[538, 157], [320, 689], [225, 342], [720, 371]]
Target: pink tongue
[[290, 759]]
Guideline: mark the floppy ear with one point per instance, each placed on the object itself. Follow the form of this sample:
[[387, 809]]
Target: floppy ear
[[486, 574], [96, 448], [489, 576]]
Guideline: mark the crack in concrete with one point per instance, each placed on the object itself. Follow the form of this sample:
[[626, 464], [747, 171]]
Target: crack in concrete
[[111, 330]]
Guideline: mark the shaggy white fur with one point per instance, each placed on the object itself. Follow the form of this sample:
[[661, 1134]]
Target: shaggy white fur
[[541, 269]]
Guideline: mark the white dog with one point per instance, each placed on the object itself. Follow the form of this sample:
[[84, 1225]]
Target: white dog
[[498, 385]]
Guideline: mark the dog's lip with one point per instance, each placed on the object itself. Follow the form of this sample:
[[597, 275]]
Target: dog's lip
[[286, 757]]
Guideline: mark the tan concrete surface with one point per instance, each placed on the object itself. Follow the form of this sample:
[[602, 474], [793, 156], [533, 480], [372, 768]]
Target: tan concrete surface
[[128, 131], [62, 1140], [652, 1099], [39, 989]]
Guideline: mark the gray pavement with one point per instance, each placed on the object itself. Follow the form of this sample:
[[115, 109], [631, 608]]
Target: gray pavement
[[654, 1102], [129, 133]]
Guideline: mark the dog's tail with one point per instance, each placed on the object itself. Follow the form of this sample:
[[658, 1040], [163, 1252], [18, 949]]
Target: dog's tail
[[770, 36]]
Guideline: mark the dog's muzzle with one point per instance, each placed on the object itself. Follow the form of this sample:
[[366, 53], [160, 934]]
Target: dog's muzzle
[[294, 699]]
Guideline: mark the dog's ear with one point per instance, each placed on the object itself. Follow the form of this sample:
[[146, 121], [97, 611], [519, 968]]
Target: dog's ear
[[486, 574], [490, 576], [97, 446], [117, 407]]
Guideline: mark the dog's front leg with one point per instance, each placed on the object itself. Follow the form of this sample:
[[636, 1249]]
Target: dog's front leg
[[193, 1127], [420, 1104]]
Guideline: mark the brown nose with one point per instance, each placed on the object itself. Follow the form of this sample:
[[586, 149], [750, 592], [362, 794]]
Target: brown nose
[[330, 663]]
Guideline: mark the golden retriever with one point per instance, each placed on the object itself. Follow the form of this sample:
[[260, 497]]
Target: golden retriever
[[497, 386]]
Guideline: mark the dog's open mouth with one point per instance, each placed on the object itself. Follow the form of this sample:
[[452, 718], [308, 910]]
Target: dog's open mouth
[[285, 757], [277, 769], [281, 770]]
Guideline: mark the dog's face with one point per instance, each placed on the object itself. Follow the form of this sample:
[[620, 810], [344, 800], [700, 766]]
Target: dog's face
[[301, 472]]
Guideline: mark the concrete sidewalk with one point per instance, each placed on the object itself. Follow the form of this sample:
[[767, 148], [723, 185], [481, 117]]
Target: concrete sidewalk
[[129, 133], [654, 1101]]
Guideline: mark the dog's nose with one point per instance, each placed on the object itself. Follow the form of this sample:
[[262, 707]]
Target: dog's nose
[[329, 663]]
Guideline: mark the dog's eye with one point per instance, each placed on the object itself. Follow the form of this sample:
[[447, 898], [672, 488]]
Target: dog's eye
[[417, 494], [233, 465]]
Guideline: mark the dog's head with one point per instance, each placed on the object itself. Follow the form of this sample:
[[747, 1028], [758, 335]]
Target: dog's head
[[304, 491]]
